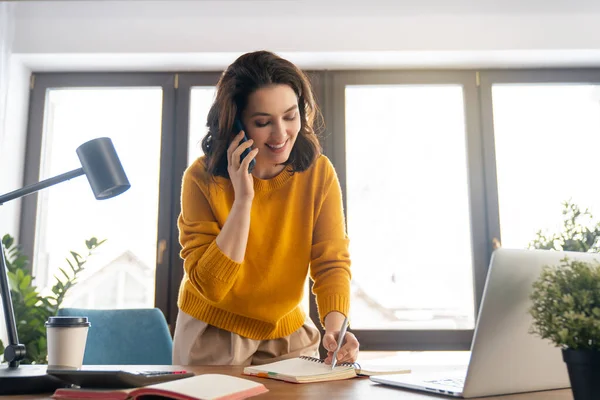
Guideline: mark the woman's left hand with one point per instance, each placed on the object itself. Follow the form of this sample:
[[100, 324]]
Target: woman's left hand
[[349, 350]]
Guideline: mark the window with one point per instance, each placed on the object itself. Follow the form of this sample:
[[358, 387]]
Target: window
[[69, 214], [69, 110], [407, 194], [540, 132], [405, 145], [201, 98], [546, 139], [433, 166]]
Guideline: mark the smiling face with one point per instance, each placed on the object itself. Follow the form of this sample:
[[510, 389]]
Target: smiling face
[[272, 121]]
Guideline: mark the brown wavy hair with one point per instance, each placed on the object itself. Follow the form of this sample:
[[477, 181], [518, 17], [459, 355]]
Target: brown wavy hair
[[250, 72]]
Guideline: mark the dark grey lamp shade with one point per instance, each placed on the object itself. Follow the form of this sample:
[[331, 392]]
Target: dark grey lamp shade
[[103, 169]]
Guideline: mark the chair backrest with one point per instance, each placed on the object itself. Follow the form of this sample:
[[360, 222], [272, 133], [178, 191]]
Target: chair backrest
[[125, 337]]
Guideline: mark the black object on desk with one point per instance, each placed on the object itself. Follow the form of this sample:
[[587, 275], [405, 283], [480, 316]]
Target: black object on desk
[[90, 378]]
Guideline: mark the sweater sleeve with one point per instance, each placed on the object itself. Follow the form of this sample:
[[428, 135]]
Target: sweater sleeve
[[210, 271], [330, 259]]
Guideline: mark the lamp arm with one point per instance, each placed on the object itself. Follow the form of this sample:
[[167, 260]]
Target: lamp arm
[[15, 194]]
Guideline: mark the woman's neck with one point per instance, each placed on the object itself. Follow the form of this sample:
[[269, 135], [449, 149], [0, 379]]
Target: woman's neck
[[267, 171]]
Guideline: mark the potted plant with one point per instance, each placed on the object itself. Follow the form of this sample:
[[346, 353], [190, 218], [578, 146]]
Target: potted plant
[[580, 232], [31, 307], [566, 310]]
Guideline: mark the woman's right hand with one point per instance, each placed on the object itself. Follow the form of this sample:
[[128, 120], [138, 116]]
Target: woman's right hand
[[241, 179]]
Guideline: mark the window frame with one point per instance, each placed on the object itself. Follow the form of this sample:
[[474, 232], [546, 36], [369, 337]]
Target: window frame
[[480, 239], [41, 84], [490, 77], [329, 87], [185, 82]]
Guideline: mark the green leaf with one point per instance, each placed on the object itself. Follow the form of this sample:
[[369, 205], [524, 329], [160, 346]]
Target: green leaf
[[13, 282], [32, 295], [25, 282], [20, 261], [7, 241], [64, 273], [76, 257], [71, 265], [31, 302]]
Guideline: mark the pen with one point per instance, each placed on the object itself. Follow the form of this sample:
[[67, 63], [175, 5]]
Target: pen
[[339, 342]]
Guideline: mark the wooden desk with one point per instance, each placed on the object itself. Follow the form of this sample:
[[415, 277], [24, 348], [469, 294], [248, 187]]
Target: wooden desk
[[357, 388]]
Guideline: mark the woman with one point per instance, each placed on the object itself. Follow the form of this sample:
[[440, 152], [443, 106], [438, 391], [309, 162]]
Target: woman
[[250, 239]]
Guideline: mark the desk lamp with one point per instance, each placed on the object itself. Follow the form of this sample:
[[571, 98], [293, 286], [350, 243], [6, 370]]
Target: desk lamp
[[107, 178]]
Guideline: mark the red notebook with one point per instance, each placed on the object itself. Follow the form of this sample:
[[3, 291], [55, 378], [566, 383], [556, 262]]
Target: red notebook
[[199, 387]]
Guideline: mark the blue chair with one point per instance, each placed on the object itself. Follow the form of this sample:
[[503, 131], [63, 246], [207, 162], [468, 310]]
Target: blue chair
[[125, 337]]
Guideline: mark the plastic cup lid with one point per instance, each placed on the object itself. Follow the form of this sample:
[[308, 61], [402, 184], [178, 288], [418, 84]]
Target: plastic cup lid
[[67, 322]]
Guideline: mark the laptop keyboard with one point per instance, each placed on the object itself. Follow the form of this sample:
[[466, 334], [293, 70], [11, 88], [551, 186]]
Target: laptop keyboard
[[454, 382]]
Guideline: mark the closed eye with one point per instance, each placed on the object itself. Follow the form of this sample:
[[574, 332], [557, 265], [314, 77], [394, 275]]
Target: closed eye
[[260, 124]]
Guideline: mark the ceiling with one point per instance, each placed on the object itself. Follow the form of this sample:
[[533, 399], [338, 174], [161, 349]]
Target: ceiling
[[325, 8]]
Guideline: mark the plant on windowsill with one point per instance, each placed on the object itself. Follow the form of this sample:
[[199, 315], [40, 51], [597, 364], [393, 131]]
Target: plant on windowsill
[[32, 308], [579, 232], [566, 310]]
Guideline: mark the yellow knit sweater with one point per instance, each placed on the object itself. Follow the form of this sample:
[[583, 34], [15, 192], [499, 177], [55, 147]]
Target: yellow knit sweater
[[296, 227]]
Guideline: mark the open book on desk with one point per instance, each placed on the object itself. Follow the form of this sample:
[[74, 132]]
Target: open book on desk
[[310, 369], [199, 387]]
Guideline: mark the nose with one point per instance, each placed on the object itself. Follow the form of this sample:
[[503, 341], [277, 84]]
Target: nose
[[279, 130]]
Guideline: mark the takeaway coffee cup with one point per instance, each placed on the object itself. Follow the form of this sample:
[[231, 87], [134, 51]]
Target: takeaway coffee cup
[[66, 338]]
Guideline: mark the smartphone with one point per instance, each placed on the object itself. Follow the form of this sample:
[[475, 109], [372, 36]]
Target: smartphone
[[237, 126]]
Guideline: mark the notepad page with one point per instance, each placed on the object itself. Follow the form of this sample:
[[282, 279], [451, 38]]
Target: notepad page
[[374, 369], [208, 386], [299, 367]]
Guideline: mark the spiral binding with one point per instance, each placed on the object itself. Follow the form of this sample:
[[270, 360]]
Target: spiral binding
[[318, 360]]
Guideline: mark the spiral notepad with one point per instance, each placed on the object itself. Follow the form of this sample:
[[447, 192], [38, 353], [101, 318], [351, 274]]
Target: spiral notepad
[[309, 369], [318, 360]]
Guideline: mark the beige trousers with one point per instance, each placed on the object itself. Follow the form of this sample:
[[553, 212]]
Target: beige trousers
[[197, 343]]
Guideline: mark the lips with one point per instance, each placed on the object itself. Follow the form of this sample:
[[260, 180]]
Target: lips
[[277, 147]]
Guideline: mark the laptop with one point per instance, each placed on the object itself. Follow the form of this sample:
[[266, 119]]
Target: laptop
[[505, 358]]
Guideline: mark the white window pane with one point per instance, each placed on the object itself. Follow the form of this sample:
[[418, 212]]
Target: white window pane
[[121, 273], [408, 207], [201, 98], [547, 139]]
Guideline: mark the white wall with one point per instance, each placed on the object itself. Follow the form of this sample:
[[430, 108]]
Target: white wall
[[323, 34], [12, 147], [12, 153]]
